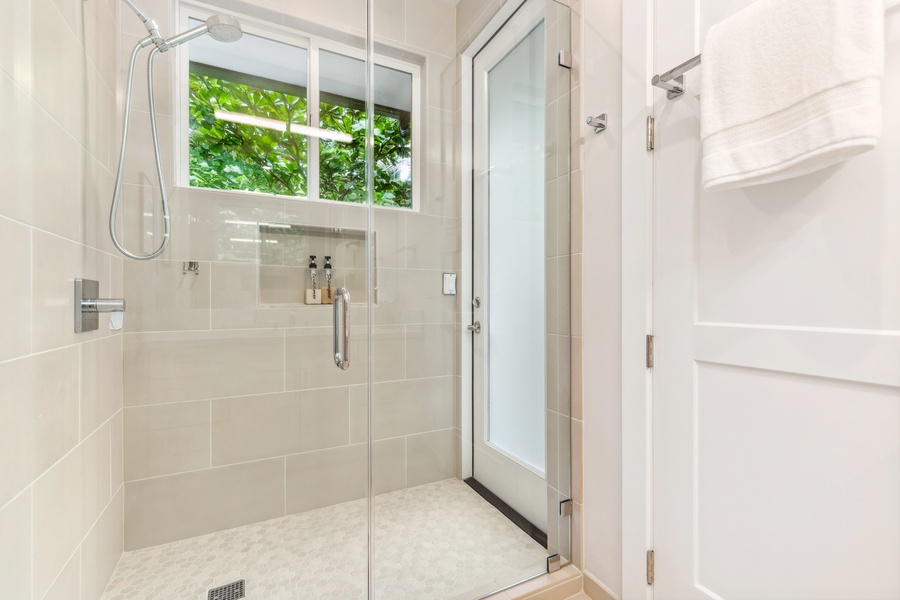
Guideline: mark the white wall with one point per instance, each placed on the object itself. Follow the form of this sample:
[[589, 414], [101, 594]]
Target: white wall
[[602, 92]]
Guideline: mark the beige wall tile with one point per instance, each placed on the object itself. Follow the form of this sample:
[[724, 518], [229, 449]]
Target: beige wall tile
[[390, 18], [236, 300], [563, 215], [404, 407], [171, 367], [551, 266], [58, 63], [324, 418], [68, 580], [565, 455], [67, 500], [577, 390], [565, 378], [413, 296], [432, 350], [176, 507], [552, 428], [161, 297], [38, 416], [442, 185], [577, 208], [102, 548], [429, 25], [389, 466], [553, 372], [551, 228], [53, 300], [430, 457], [166, 438], [15, 551], [577, 289], [577, 462], [326, 477], [577, 535], [117, 458], [310, 356], [563, 284], [390, 238], [101, 382], [432, 242], [255, 427], [15, 306], [15, 41]]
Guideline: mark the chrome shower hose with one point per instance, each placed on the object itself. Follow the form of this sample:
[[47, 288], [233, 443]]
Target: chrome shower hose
[[113, 211]]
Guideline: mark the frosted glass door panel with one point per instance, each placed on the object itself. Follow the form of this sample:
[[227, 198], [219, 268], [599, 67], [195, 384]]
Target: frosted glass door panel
[[516, 248]]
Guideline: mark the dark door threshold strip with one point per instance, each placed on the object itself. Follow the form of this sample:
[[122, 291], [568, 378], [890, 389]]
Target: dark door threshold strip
[[509, 512]]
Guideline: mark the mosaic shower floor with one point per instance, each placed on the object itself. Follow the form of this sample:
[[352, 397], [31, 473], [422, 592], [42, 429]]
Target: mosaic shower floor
[[438, 541]]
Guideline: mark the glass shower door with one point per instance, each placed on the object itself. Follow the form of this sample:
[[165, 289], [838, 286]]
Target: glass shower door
[[245, 457]]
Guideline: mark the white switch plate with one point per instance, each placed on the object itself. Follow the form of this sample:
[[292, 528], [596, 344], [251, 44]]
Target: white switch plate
[[449, 284]]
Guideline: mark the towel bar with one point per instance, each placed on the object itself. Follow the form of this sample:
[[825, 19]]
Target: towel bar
[[673, 81]]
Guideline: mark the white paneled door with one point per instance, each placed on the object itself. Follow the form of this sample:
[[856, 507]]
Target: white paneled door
[[776, 385]]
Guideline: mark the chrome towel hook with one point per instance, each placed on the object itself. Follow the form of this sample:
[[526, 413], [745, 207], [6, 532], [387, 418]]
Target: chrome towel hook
[[598, 123]]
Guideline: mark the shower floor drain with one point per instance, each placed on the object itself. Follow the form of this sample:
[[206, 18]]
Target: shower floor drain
[[231, 591]]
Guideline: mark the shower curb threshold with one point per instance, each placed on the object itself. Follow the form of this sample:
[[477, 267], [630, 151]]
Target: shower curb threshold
[[560, 585]]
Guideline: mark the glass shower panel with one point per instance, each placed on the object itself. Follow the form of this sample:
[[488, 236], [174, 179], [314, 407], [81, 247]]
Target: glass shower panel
[[436, 532], [246, 452]]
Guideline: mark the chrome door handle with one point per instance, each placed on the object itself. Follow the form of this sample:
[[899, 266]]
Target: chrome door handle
[[475, 327], [342, 321]]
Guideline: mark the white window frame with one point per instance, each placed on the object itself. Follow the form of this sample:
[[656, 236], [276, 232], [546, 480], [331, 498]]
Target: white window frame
[[312, 44]]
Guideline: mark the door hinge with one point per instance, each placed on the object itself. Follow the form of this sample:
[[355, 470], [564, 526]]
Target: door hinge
[[651, 134], [649, 351], [650, 567]]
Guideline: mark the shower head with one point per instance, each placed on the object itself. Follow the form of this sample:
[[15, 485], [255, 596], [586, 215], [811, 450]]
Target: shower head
[[221, 28]]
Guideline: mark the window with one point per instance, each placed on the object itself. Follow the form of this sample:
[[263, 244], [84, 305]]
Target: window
[[276, 115]]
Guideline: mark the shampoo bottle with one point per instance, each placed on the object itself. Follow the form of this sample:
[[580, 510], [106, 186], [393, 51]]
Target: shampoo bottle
[[327, 288], [313, 295]]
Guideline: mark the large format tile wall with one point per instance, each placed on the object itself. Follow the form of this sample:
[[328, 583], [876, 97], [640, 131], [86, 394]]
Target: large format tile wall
[[61, 475], [235, 413]]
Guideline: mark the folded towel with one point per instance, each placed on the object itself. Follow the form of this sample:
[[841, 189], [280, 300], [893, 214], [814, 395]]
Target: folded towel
[[790, 87]]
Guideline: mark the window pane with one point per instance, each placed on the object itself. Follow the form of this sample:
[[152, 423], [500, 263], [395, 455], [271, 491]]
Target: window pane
[[342, 108], [244, 97]]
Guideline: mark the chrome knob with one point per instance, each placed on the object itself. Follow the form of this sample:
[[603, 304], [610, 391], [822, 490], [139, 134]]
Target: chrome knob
[[475, 327]]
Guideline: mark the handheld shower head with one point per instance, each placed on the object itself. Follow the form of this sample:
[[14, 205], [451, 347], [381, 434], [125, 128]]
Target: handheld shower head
[[221, 28]]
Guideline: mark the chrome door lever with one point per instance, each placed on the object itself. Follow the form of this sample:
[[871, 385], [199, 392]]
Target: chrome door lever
[[475, 327]]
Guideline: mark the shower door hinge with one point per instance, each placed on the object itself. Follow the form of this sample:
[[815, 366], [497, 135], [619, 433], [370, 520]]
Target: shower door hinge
[[554, 563], [565, 508], [651, 134], [565, 59], [650, 566], [649, 351]]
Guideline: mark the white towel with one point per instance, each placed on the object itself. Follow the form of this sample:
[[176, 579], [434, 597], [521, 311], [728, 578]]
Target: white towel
[[790, 87]]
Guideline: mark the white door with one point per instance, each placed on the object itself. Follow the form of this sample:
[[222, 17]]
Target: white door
[[509, 443], [776, 386]]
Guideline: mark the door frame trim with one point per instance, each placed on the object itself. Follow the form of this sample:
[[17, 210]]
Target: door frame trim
[[637, 297]]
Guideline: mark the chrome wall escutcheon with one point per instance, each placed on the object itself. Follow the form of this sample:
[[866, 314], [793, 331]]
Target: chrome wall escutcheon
[[88, 305]]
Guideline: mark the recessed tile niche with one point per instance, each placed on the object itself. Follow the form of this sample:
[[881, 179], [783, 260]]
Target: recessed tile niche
[[284, 256]]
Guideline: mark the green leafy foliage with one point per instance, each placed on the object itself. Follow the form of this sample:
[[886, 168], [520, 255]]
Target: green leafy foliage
[[232, 156]]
